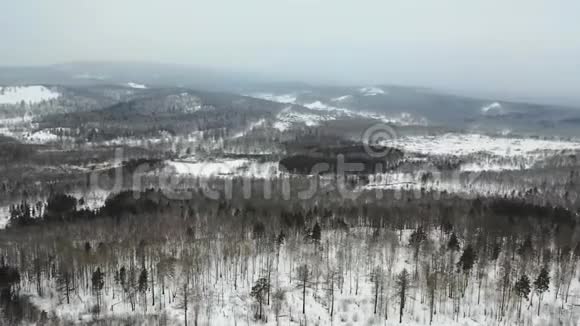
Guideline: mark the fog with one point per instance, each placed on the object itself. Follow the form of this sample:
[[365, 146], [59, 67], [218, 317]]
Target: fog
[[517, 48]]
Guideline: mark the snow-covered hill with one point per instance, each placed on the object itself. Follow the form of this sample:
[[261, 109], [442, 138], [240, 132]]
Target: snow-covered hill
[[371, 91], [315, 112], [26, 94]]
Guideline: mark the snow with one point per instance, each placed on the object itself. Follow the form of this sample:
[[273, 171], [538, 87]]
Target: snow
[[93, 198], [186, 102], [289, 117], [250, 127], [224, 168], [459, 182], [495, 166], [403, 119], [464, 144], [41, 137], [15, 121], [136, 85], [371, 91], [26, 94], [283, 98], [492, 109], [45, 136], [342, 98], [90, 76], [16, 126], [226, 304], [282, 125], [4, 216], [320, 106]]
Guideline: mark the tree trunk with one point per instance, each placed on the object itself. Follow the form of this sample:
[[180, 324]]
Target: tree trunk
[[304, 297], [331, 299], [376, 295], [539, 303]]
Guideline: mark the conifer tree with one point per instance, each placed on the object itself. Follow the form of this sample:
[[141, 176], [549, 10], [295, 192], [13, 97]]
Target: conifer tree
[[541, 285], [522, 289]]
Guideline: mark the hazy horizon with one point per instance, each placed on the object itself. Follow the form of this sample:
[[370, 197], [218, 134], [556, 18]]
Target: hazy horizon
[[520, 49]]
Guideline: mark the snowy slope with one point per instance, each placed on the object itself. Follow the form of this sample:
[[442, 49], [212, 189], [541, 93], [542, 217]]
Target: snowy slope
[[26, 94], [320, 111], [249, 128], [371, 91], [284, 98], [136, 85], [492, 109], [290, 117], [464, 144]]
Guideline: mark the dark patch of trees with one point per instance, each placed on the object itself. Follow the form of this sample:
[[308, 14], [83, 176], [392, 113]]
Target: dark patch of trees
[[325, 160]]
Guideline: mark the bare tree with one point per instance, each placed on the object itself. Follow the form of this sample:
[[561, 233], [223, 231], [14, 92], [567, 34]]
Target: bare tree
[[403, 286]]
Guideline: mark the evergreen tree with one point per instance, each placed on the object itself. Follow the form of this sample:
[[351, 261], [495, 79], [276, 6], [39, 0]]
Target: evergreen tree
[[98, 282], [259, 292], [316, 233], [280, 238], [142, 286], [467, 259], [142, 283], [541, 285], [526, 250], [465, 264], [522, 289], [416, 240], [453, 243]]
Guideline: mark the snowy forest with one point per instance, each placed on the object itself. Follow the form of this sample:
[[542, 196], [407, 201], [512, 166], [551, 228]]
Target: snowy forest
[[135, 205], [410, 261]]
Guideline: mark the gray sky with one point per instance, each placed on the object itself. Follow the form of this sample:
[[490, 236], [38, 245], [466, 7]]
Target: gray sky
[[517, 48]]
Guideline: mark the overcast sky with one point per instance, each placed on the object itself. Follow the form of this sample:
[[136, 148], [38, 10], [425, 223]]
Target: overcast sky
[[525, 48]]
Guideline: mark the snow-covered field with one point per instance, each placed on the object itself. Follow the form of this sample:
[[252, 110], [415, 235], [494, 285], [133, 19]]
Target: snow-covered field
[[464, 144], [223, 168], [27, 94]]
